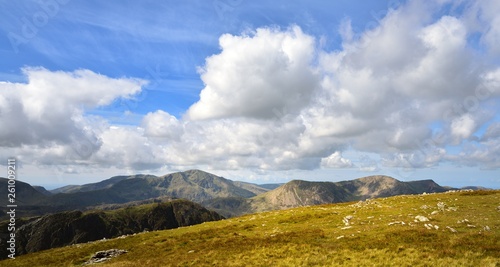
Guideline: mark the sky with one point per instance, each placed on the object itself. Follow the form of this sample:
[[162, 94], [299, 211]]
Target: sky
[[257, 91]]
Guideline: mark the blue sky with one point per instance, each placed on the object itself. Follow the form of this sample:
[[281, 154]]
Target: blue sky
[[252, 90]]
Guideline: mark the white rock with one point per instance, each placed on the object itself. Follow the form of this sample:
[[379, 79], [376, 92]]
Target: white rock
[[339, 237], [434, 212], [347, 219], [487, 228], [451, 229], [441, 205], [421, 218]]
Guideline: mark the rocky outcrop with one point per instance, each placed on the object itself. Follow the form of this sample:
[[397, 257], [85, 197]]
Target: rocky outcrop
[[102, 256], [71, 227]]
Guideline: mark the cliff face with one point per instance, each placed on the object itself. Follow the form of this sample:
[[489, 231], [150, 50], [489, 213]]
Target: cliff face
[[71, 227]]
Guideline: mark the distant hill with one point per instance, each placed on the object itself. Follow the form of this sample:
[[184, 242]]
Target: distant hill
[[97, 186], [194, 185], [270, 186], [256, 189], [229, 198], [298, 193], [25, 193], [71, 227], [42, 190]]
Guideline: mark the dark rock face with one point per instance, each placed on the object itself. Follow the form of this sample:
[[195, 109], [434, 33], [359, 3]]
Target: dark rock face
[[71, 227], [105, 255]]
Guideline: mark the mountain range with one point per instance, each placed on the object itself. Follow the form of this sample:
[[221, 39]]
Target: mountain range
[[298, 193], [227, 197], [192, 185], [68, 215]]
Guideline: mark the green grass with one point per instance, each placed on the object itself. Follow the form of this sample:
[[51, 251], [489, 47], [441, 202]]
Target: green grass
[[315, 236]]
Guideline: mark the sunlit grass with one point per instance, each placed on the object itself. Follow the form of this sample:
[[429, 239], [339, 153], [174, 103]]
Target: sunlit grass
[[316, 236]]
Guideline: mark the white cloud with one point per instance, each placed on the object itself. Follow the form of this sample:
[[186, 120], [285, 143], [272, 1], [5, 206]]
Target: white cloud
[[462, 128], [482, 16], [46, 114], [128, 148], [266, 105], [492, 132], [404, 91], [417, 159], [162, 124], [257, 76], [336, 160]]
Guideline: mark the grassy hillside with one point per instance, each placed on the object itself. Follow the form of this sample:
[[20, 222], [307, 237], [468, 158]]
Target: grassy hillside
[[463, 230]]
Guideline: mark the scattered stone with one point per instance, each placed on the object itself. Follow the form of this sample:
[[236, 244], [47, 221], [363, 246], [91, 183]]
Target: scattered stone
[[498, 208], [347, 219], [105, 255], [392, 223], [441, 206], [487, 228], [191, 251], [420, 218], [424, 207], [471, 226], [339, 237], [434, 212], [347, 227], [451, 229], [463, 221], [451, 209], [430, 226]]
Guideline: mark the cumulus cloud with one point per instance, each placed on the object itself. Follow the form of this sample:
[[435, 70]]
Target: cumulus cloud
[[463, 128], [405, 91], [47, 112], [126, 147], [257, 75], [336, 160], [161, 124]]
